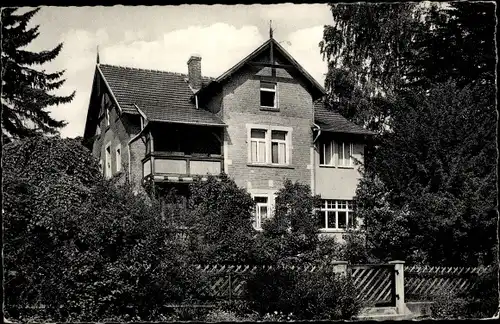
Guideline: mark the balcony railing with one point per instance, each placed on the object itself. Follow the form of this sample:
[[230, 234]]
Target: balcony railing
[[176, 164]]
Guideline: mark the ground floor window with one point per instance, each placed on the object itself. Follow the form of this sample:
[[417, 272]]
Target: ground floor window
[[336, 214], [262, 211]]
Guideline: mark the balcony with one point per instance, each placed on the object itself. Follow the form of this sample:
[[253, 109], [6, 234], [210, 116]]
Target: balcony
[[178, 167]]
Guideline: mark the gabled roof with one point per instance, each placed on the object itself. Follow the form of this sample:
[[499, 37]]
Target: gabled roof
[[260, 50], [331, 121], [162, 96]]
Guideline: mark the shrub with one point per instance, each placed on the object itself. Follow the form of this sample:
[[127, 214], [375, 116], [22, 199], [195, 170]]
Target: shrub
[[219, 221], [316, 295], [81, 248], [448, 305], [292, 232], [478, 302]]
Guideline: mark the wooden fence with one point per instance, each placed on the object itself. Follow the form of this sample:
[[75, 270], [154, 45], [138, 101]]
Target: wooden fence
[[377, 284], [228, 282], [422, 282]]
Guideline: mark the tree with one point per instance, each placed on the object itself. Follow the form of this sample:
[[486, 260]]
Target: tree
[[291, 235], [27, 92], [430, 193], [374, 50], [219, 221], [80, 248]]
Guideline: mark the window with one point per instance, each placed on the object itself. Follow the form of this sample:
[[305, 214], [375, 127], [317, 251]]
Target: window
[[336, 214], [258, 145], [268, 94], [118, 155], [100, 166], [344, 154], [107, 116], [107, 161], [261, 210], [331, 151], [326, 153], [278, 147], [269, 144]]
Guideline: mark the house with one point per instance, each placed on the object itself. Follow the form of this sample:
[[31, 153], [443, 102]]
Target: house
[[260, 122]]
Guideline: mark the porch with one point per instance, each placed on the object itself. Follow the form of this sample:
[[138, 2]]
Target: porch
[[180, 152]]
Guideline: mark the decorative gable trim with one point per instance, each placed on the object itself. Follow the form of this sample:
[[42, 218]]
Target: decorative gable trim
[[258, 51], [109, 89]]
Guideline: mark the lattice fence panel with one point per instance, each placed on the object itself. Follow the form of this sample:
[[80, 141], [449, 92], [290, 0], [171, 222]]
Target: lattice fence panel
[[229, 281], [374, 283], [422, 282]]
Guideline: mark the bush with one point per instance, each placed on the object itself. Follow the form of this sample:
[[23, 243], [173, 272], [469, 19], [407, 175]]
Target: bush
[[316, 295], [448, 305], [479, 302], [80, 248], [219, 221]]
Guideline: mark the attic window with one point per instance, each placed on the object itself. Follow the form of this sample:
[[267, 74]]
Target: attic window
[[268, 95]]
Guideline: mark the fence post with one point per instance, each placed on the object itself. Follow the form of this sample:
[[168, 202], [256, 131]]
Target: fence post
[[399, 285], [340, 268]]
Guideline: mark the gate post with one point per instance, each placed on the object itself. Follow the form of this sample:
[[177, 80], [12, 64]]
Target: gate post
[[399, 286], [340, 267]]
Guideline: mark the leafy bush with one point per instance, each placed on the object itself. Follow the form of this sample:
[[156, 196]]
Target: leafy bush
[[292, 232], [448, 305], [478, 302], [82, 248], [219, 221], [321, 294]]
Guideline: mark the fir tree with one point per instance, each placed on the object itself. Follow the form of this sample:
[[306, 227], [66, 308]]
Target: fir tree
[[27, 92]]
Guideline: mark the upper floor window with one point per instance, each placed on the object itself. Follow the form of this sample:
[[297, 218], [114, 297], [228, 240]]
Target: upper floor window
[[344, 154], [269, 145], [106, 107], [118, 155], [278, 147], [268, 98], [258, 145], [333, 153], [336, 214], [107, 161]]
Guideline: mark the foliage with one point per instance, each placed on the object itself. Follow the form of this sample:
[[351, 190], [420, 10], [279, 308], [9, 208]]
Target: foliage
[[388, 46], [429, 194], [27, 91], [481, 301], [293, 229], [80, 247], [483, 297], [219, 221], [448, 305], [321, 294]]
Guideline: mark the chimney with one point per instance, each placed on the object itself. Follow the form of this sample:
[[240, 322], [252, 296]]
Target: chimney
[[194, 71]]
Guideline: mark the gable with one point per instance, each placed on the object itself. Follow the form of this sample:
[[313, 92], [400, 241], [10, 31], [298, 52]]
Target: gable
[[271, 57]]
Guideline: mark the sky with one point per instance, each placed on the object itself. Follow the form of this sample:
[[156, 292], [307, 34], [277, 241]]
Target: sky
[[164, 37]]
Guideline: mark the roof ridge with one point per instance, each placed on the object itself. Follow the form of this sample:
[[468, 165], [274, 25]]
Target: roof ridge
[[153, 70]]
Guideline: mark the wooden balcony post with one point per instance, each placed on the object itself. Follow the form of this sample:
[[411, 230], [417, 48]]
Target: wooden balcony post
[[399, 286]]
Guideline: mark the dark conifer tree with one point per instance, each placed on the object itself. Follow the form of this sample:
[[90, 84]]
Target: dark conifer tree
[[27, 92]]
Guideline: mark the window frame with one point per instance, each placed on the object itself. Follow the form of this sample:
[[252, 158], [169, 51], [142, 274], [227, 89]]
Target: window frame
[[275, 91], [350, 163], [107, 164], [332, 144], [258, 220], [349, 210], [268, 144], [118, 158], [258, 141]]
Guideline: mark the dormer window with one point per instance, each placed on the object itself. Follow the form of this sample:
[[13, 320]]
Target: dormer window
[[268, 98]]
